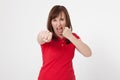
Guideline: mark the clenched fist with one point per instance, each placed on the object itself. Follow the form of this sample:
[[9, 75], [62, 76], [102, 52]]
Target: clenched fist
[[67, 32], [44, 36]]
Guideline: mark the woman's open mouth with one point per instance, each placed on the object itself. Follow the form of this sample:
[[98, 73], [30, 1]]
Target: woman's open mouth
[[60, 30]]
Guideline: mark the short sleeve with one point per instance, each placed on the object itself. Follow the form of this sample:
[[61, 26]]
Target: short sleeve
[[44, 46], [76, 35]]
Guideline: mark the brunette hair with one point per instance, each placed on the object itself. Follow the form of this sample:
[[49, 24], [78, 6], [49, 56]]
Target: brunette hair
[[54, 12]]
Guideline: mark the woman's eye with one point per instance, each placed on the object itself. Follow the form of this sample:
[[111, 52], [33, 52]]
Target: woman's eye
[[54, 20], [62, 19]]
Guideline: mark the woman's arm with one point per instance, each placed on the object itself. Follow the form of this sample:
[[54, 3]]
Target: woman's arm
[[81, 46]]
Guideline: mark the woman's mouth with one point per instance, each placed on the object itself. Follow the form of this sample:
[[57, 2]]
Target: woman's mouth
[[60, 30]]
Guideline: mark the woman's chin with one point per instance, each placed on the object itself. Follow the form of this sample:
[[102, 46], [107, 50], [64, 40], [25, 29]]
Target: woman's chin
[[60, 35]]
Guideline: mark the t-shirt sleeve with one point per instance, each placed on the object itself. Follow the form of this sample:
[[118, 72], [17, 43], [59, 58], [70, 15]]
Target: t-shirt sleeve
[[44, 46], [76, 35]]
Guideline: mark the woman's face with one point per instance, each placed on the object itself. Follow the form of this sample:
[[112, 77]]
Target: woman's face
[[59, 24]]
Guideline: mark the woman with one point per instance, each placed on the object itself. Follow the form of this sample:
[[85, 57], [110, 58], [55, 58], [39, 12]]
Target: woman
[[58, 46]]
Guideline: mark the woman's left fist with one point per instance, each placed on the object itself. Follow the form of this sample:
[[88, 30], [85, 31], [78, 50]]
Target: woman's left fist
[[67, 32]]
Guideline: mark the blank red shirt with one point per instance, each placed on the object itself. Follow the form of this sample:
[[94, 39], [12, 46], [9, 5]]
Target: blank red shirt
[[57, 60]]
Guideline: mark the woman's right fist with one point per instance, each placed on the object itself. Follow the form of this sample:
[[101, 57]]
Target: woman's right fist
[[44, 36]]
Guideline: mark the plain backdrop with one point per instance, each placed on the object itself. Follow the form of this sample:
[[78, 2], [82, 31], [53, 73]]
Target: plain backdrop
[[97, 23]]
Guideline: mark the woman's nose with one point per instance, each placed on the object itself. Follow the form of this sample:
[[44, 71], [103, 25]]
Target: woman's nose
[[58, 23]]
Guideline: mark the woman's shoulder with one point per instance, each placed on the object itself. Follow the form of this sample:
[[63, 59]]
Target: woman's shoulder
[[76, 35]]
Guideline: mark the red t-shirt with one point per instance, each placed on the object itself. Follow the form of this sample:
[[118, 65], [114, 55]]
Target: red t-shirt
[[57, 60]]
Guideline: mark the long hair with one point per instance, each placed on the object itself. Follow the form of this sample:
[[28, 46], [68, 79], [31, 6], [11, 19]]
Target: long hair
[[54, 12]]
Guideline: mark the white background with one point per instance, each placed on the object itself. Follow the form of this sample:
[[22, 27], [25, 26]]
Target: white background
[[95, 21]]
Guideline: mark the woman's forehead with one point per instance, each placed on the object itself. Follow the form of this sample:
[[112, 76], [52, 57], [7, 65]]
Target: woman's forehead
[[61, 14]]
